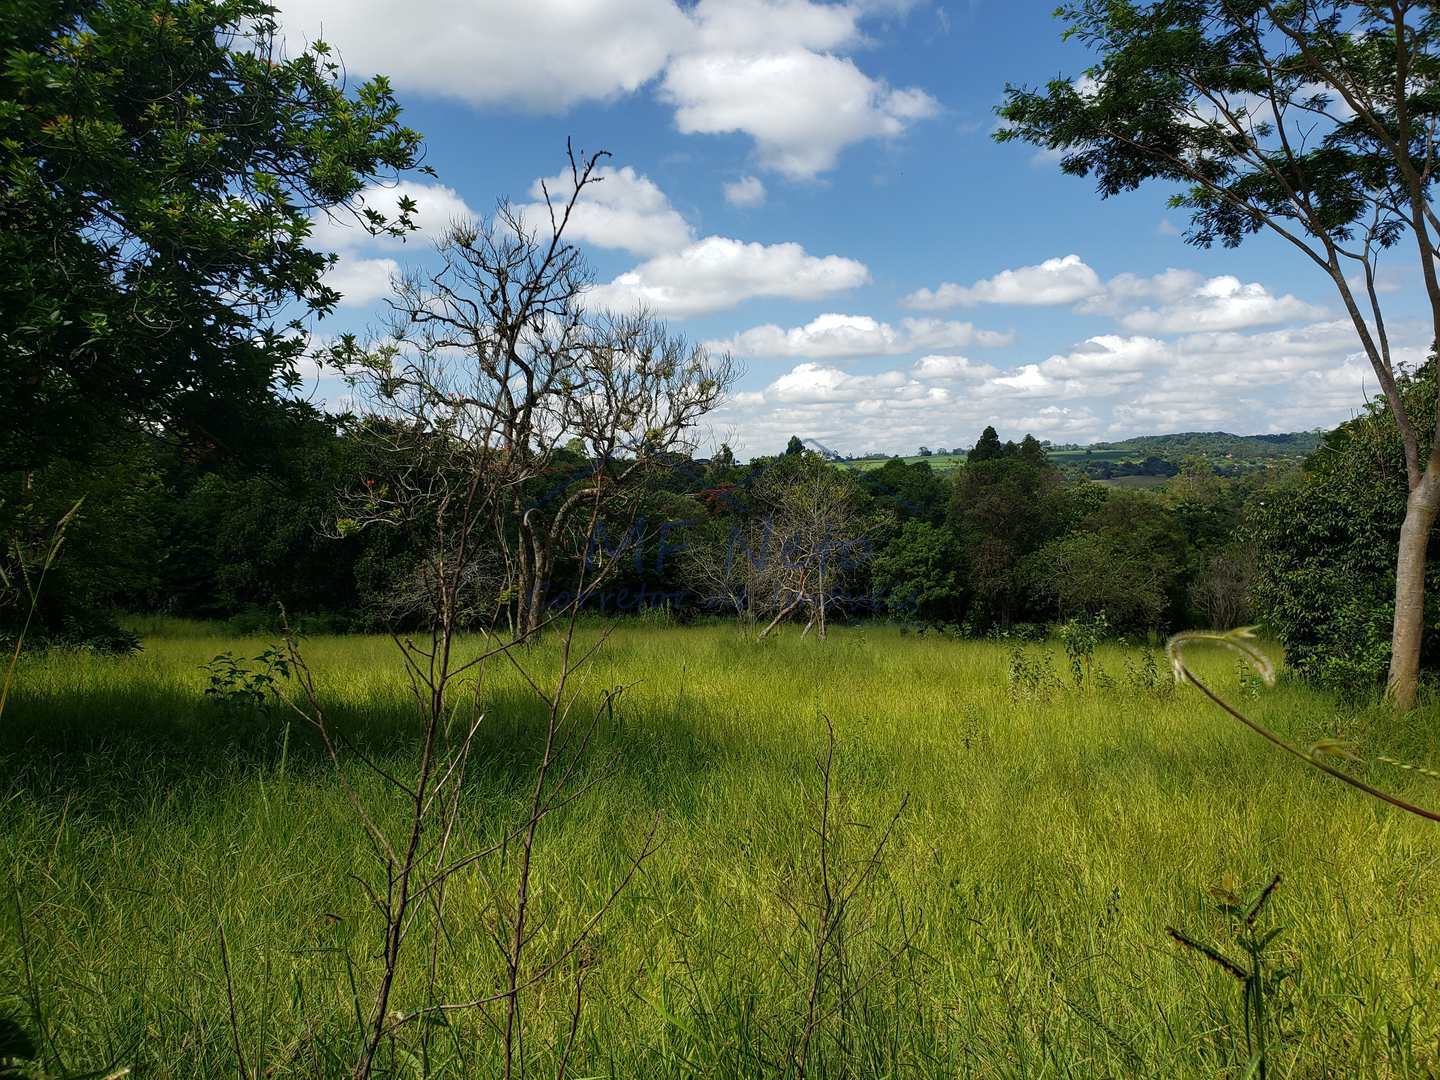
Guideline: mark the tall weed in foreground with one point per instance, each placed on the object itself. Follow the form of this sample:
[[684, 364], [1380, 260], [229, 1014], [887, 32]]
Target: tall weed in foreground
[[821, 1001], [441, 843], [23, 569], [836, 923], [1320, 755], [1259, 980]]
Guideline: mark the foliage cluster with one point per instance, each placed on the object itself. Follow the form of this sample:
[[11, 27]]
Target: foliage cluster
[[1326, 547]]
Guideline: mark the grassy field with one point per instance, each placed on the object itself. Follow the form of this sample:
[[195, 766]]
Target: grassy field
[[1050, 837], [938, 462]]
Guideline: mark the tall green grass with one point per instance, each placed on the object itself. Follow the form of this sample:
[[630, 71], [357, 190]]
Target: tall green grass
[[1048, 841]]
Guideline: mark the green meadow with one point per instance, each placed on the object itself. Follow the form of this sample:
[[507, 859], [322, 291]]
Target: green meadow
[[938, 462], [186, 898]]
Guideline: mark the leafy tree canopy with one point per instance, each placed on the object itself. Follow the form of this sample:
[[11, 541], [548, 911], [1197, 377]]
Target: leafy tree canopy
[[161, 162], [920, 573], [1207, 93], [987, 447]]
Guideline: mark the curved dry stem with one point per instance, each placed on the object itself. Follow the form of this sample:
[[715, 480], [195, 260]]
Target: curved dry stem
[[1241, 641]]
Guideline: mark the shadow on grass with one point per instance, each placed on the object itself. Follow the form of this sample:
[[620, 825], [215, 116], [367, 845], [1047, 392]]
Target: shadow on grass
[[113, 753]]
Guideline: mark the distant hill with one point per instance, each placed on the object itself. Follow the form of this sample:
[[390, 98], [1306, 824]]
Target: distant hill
[[1148, 460], [1141, 456], [938, 462], [1209, 444]]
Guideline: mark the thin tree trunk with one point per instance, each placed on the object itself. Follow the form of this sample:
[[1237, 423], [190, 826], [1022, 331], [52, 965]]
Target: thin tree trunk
[[531, 592], [535, 602], [820, 615], [1409, 627], [780, 616]]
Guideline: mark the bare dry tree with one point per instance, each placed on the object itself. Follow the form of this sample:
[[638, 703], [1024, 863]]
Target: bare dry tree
[[497, 355], [793, 555], [723, 567], [809, 540], [1222, 588], [492, 365]]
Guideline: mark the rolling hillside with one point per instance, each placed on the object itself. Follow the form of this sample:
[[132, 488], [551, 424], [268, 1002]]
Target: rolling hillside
[[1224, 449]]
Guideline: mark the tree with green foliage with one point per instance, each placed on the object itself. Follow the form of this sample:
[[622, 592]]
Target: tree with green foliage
[[794, 446], [1325, 579], [1127, 560], [1003, 509], [987, 447], [163, 162], [1312, 120], [116, 506], [911, 490], [920, 573], [239, 539]]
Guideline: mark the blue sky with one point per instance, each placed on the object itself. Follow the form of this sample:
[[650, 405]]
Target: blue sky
[[814, 187]]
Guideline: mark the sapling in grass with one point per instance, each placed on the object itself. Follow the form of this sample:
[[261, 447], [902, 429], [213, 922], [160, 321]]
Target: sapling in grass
[[1081, 636], [1259, 978], [835, 918], [246, 685]]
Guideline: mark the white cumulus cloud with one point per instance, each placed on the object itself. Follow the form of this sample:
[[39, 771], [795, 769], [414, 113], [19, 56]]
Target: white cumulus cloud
[[1174, 301], [1062, 280], [834, 335], [802, 108], [817, 384], [436, 207], [718, 273], [361, 281], [747, 191], [1221, 303], [774, 70], [542, 54], [363, 272], [949, 368]]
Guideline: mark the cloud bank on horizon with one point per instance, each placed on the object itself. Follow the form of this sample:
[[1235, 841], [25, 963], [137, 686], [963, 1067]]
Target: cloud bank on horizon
[[809, 186]]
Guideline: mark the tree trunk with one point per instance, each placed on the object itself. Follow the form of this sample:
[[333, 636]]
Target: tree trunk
[[533, 597], [1409, 628], [820, 614], [531, 586], [780, 616]]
